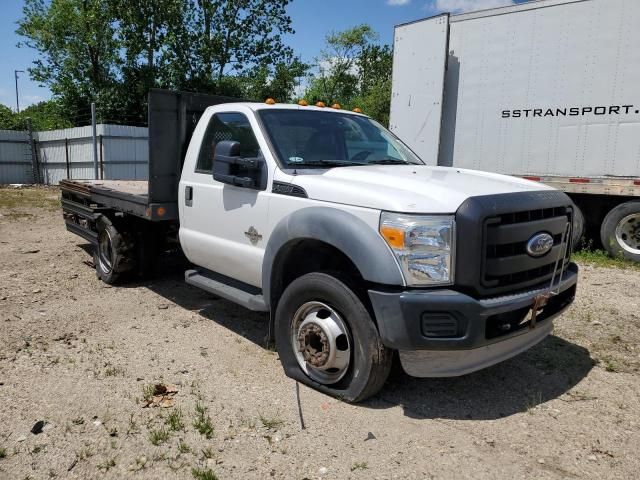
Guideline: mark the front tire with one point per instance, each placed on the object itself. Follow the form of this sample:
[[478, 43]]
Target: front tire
[[620, 231], [327, 339]]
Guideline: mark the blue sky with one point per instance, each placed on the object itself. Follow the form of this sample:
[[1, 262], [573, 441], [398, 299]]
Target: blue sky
[[312, 19]]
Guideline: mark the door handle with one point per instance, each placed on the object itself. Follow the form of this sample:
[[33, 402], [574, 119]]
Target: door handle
[[188, 196]]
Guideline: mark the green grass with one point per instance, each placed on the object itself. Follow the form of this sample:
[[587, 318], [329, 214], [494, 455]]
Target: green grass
[[35, 197], [272, 423], [183, 447], [202, 422], [174, 420], [600, 258], [359, 466], [203, 474], [3, 452], [107, 465], [156, 437]]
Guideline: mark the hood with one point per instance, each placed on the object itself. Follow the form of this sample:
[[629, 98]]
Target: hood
[[406, 188]]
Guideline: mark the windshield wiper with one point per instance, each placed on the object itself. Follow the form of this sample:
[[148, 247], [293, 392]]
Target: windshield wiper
[[325, 163], [389, 161]]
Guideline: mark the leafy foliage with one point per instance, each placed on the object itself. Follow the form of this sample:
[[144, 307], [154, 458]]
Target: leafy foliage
[[112, 52], [353, 70], [47, 115]]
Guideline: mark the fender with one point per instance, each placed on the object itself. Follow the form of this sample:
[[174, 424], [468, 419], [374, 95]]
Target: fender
[[342, 230]]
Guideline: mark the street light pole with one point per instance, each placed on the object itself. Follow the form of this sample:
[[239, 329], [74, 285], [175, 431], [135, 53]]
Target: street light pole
[[15, 74]]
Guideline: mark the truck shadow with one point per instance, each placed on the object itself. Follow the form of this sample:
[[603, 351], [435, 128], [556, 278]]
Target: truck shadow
[[547, 371]]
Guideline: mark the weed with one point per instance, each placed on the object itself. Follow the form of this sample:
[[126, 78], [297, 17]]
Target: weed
[[610, 365], [203, 474], [3, 452], [174, 420], [112, 371], [37, 449], [132, 428], [533, 402], [84, 454], [183, 447], [203, 423], [359, 466], [156, 437], [148, 391], [78, 421], [107, 464], [271, 423], [600, 258], [208, 452]]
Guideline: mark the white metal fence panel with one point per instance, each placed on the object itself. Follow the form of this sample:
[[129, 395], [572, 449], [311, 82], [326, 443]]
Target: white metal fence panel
[[123, 153], [15, 157]]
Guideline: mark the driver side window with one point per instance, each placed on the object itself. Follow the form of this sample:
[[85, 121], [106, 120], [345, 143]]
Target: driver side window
[[226, 126]]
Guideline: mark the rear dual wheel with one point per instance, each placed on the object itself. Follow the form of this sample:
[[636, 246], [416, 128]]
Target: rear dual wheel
[[113, 254], [327, 339]]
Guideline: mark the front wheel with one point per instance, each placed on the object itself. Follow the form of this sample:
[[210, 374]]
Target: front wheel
[[620, 231], [327, 339]]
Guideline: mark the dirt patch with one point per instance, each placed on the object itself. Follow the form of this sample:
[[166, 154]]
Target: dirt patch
[[86, 360]]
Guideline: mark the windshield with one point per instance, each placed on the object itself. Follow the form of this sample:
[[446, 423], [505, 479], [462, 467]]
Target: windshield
[[326, 139]]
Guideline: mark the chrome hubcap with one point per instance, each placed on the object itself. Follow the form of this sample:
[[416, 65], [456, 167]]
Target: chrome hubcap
[[628, 233], [105, 256], [321, 342]]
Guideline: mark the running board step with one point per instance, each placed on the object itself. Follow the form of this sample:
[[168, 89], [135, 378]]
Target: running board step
[[217, 287]]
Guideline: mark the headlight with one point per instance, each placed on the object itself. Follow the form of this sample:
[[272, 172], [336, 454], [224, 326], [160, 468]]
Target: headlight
[[423, 245]]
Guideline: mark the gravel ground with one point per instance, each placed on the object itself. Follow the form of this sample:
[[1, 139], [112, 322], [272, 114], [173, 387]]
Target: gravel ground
[[84, 358]]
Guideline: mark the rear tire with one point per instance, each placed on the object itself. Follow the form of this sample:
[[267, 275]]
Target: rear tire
[[112, 255], [620, 231], [327, 339]]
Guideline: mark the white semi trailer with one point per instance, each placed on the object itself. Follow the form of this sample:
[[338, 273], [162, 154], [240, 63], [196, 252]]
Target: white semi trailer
[[546, 90]]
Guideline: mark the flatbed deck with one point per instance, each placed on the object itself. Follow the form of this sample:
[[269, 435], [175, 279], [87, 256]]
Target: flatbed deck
[[128, 196]]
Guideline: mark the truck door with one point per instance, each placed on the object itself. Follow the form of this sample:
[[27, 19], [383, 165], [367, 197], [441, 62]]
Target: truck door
[[419, 62], [221, 225]]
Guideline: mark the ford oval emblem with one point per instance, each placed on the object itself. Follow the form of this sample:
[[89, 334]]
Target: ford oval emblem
[[539, 244]]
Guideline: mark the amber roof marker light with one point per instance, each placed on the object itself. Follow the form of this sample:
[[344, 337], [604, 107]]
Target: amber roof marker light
[[270, 101], [357, 110], [303, 103], [320, 105], [336, 106]]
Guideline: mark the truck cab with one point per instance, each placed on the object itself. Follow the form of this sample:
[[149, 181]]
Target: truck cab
[[357, 248]]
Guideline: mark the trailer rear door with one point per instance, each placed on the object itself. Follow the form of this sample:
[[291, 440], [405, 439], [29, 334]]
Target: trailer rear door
[[419, 63]]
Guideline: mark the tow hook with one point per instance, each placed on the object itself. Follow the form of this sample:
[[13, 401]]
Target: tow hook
[[541, 300]]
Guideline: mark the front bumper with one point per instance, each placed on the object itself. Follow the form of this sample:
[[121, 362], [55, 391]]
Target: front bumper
[[448, 333]]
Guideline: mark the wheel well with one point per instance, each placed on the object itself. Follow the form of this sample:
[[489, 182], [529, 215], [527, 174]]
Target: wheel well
[[300, 257]]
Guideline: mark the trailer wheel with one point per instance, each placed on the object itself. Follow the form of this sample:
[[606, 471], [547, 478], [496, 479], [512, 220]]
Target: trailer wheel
[[578, 227], [112, 255], [620, 231], [327, 339]]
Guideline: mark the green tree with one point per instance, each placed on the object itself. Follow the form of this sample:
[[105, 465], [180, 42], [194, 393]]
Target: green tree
[[112, 52], [78, 50], [48, 115], [354, 71], [235, 36], [279, 83]]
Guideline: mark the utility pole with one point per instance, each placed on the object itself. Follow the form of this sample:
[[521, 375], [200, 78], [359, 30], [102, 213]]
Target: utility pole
[[15, 74]]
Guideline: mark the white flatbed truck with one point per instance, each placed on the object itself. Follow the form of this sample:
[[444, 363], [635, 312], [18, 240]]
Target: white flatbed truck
[[329, 222]]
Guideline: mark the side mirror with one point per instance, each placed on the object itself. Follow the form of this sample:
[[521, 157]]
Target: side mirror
[[230, 168]]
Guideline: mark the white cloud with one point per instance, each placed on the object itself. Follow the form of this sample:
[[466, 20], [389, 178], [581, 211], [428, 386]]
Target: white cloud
[[396, 3], [458, 6]]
